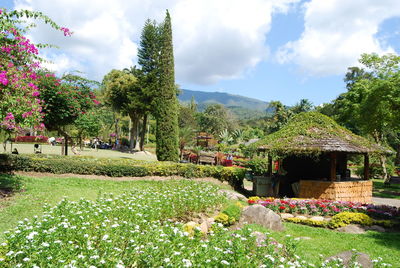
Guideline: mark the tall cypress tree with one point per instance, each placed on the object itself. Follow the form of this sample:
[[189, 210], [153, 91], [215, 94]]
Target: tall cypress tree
[[167, 132]]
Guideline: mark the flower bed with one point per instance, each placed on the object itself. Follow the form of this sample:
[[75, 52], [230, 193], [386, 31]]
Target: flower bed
[[31, 139], [324, 207]]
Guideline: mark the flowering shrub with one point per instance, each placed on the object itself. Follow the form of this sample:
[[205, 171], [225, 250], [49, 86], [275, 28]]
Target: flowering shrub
[[324, 207], [36, 139], [20, 98]]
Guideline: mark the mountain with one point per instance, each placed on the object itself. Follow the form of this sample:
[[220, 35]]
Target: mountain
[[203, 98], [243, 107]]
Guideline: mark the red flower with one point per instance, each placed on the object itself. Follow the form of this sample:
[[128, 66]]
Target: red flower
[[282, 207]]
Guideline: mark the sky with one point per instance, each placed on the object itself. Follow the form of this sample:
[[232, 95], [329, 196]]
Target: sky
[[283, 50]]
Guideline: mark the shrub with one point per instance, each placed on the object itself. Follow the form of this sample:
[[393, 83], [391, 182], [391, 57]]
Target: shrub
[[117, 167], [258, 166], [309, 222], [346, 218], [32, 139], [229, 215], [10, 183]]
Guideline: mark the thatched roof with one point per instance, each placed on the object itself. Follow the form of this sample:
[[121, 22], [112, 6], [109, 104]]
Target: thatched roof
[[313, 132]]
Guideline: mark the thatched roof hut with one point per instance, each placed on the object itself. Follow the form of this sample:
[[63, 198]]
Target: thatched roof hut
[[314, 133], [314, 151]]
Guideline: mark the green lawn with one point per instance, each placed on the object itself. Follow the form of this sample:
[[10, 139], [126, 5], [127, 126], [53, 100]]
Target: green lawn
[[390, 191], [39, 191], [27, 148]]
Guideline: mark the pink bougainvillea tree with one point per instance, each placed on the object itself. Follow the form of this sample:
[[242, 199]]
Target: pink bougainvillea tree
[[20, 100]]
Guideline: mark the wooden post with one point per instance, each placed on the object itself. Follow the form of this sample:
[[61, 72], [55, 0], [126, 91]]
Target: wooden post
[[269, 165], [366, 167], [333, 166]]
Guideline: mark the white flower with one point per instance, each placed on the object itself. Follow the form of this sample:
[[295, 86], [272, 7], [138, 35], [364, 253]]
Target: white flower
[[26, 259], [44, 244], [224, 262], [31, 235], [95, 257], [167, 260], [186, 263], [105, 237], [80, 256], [119, 265]]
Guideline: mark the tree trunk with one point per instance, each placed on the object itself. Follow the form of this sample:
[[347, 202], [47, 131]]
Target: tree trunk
[[382, 160], [133, 131], [117, 134], [143, 133]]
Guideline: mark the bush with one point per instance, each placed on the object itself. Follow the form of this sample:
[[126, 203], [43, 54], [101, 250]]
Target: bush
[[308, 222], [258, 166], [229, 215], [376, 171], [32, 139], [117, 167], [10, 183], [346, 218]]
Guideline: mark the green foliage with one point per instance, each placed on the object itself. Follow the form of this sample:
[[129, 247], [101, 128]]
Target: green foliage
[[345, 218], [166, 110], [258, 166], [229, 215], [375, 171], [10, 183], [308, 222], [302, 132], [120, 167], [64, 99], [216, 118]]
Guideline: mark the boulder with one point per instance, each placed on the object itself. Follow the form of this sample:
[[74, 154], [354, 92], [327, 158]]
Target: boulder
[[286, 215], [351, 229], [233, 195], [263, 216], [363, 259], [317, 218]]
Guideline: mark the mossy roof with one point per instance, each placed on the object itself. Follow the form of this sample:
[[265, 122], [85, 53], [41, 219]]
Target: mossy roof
[[313, 133]]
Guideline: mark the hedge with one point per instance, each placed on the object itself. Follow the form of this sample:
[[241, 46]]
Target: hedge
[[117, 167]]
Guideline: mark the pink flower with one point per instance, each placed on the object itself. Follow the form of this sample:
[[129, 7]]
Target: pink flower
[[35, 93]]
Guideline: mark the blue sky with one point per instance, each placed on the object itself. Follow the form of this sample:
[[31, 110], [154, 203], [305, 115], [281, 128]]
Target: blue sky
[[266, 49]]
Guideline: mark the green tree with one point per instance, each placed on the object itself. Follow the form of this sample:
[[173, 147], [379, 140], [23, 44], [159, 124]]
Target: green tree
[[304, 105], [217, 118], [149, 73], [65, 100], [372, 101], [167, 132], [123, 93]]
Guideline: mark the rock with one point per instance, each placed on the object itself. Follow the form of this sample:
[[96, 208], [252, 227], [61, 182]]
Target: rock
[[263, 216], [302, 217], [317, 218], [363, 259], [376, 228], [286, 215], [204, 227], [351, 229], [210, 222], [233, 195], [260, 238]]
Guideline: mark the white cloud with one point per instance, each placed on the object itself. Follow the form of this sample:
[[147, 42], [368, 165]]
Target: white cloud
[[213, 40], [336, 33]]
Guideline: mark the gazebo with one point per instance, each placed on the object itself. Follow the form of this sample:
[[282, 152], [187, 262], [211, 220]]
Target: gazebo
[[313, 151]]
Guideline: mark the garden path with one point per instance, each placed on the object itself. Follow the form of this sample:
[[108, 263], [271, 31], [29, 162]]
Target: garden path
[[386, 201]]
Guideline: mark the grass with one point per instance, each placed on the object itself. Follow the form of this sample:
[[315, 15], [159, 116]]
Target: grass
[[38, 191], [386, 191], [328, 242], [27, 148]]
